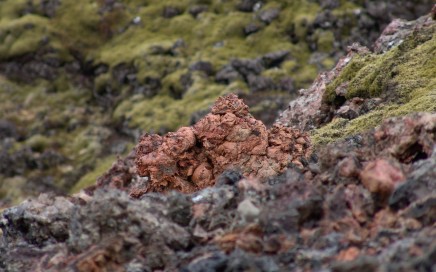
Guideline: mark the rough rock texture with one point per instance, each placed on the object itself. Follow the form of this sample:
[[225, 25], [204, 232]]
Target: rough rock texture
[[305, 112], [78, 76], [229, 137], [320, 217], [364, 202], [382, 159], [365, 87]]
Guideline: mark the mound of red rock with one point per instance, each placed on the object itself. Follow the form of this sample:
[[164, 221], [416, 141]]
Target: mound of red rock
[[229, 137]]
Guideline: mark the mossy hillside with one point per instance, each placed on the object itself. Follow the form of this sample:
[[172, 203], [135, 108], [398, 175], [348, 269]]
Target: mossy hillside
[[21, 36], [11, 9], [79, 25], [90, 178], [161, 113], [208, 30], [404, 77], [67, 116], [12, 188], [110, 37], [51, 120]]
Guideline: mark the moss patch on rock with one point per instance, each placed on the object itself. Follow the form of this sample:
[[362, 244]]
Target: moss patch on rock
[[404, 77], [71, 71]]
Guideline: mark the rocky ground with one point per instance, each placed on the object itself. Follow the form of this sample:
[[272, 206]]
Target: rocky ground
[[343, 180], [81, 80]]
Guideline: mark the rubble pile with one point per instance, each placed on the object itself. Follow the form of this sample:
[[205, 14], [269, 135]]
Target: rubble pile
[[368, 203]]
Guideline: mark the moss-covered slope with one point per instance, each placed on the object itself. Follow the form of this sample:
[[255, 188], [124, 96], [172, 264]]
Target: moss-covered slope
[[404, 79]]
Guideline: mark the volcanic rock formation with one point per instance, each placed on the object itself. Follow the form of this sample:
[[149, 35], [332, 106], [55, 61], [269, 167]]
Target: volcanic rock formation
[[229, 137]]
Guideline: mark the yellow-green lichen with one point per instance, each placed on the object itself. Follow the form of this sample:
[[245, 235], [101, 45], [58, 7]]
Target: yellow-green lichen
[[91, 177], [22, 35], [70, 113], [163, 113], [325, 40], [404, 77], [11, 189]]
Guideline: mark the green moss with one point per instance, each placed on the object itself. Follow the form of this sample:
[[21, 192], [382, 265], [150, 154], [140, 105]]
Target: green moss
[[11, 9], [11, 189], [305, 74], [90, 178], [346, 7], [70, 117], [348, 73], [79, 21], [87, 144], [172, 83], [22, 35], [275, 74], [328, 63], [298, 13], [340, 128], [162, 113], [38, 142], [404, 76], [325, 40]]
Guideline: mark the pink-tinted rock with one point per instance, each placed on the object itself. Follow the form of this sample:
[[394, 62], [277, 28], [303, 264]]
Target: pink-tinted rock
[[381, 177], [304, 112], [433, 12]]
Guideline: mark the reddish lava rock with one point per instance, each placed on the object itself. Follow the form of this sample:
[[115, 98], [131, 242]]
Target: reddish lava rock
[[229, 137], [381, 177]]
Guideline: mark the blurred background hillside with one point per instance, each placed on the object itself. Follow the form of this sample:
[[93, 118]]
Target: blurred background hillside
[[81, 80]]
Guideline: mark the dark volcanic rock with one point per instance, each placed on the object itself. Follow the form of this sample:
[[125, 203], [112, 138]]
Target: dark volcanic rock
[[251, 28], [247, 67], [170, 11], [39, 222], [259, 83], [326, 216], [311, 218], [27, 68], [197, 9], [150, 87], [203, 66], [269, 15], [247, 5], [227, 74], [274, 59], [254, 198], [7, 129], [419, 183]]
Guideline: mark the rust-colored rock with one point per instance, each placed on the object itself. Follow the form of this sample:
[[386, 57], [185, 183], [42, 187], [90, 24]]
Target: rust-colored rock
[[381, 177], [348, 254], [228, 137]]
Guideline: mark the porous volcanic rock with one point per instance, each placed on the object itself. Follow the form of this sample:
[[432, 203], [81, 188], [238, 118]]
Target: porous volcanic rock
[[386, 159], [363, 82], [229, 137], [305, 112], [321, 217], [364, 202]]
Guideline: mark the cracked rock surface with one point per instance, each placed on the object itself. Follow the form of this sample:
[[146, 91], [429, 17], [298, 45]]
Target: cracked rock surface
[[228, 194], [229, 137], [323, 216]]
